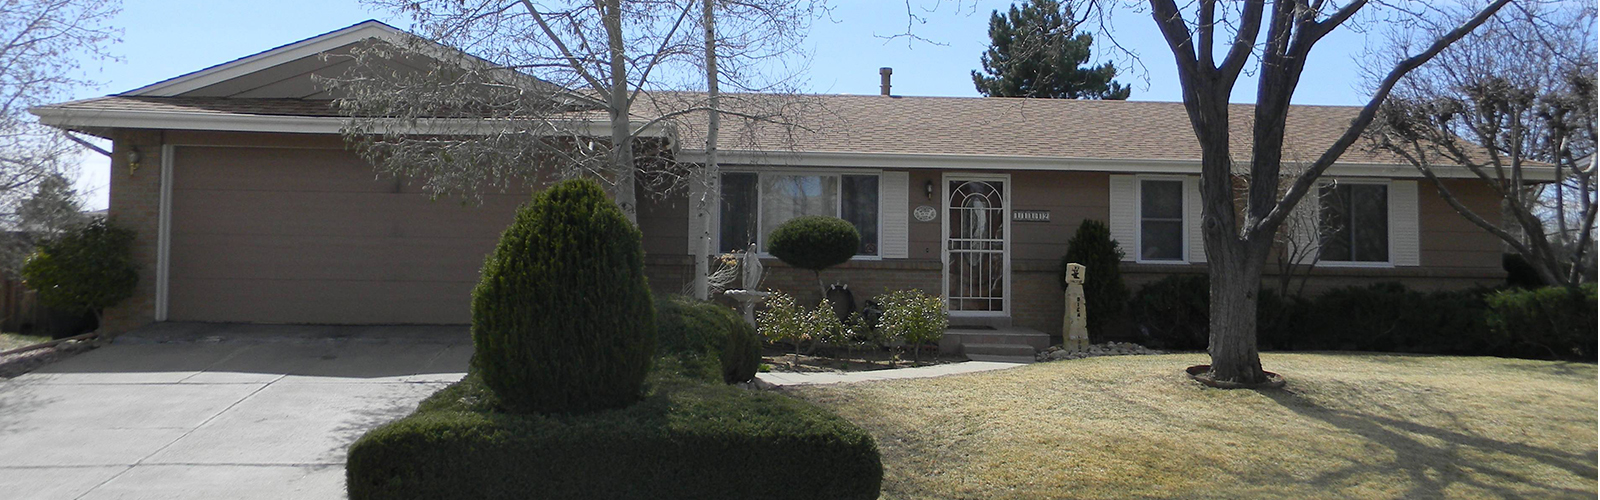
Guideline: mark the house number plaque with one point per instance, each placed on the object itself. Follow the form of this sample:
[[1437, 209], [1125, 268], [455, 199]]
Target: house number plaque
[[925, 213], [1030, 215]]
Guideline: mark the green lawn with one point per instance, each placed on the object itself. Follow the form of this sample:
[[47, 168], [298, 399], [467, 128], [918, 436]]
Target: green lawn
[[1346, 426], [9, 341]]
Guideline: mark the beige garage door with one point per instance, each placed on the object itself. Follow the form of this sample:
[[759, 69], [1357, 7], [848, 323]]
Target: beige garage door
[[269, 235]]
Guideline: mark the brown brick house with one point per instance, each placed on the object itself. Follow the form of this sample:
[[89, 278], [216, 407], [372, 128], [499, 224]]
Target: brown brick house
[[250, 208]]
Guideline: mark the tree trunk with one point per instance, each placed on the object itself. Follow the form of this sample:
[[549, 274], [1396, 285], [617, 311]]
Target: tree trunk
[[709, 177], [621, 128], [1234, 284]]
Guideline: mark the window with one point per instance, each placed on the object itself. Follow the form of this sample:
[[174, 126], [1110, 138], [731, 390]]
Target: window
[[1355, 222], [755, 204], [1161, 220]]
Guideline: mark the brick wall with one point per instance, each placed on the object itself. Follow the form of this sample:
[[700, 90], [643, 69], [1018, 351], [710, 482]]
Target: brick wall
[[135, 204]]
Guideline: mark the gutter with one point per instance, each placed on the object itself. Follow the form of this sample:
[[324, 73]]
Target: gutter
[[70, 118], [915, 161]]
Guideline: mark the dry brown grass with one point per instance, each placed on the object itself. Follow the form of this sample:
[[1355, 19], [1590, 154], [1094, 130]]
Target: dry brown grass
[[1346, 426]]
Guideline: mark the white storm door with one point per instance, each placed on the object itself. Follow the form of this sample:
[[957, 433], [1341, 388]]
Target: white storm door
[[977, 232]]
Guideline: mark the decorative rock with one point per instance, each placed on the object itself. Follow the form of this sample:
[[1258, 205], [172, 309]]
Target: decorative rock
[[1058, 353]]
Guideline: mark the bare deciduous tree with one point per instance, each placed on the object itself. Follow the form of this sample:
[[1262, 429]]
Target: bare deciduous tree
[[550, 89], [1514, 105], [42, 45], [1213, 44]]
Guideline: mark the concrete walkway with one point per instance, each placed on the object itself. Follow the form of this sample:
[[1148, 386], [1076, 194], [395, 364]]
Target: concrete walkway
[[788, 378], [192, 411]]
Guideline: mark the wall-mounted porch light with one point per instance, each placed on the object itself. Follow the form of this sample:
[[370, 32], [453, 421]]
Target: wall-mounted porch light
[[133, 160], [929, 189]]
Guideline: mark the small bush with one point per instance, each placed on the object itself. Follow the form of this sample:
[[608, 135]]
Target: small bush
[[89, 267], [814, 242], [785, 320], [685, 440], [708, 338], [1519, 273], [1280, 320], [913, 317], [562, 319], [1104, 295], [1174, 313], [1545, 323]]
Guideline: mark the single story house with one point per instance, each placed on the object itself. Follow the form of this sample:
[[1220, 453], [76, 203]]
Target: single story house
[[251, 208]]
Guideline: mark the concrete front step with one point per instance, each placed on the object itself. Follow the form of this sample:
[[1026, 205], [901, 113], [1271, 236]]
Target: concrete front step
[[1005, 353], [956, 337]]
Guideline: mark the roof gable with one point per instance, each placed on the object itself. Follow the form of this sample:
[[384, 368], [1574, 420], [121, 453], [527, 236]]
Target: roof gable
[[298, 56]]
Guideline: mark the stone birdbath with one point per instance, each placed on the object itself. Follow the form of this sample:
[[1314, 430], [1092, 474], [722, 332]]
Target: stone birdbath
[[750, 295]]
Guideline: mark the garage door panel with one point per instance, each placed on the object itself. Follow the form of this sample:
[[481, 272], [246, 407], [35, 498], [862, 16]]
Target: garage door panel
[[321, 301], [308, 236], [348, 214], [330, 257], [276, 169]]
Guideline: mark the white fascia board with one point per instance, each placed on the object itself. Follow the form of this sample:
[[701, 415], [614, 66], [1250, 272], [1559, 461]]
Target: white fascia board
[[294, 51], [995, 162], [225, 122]]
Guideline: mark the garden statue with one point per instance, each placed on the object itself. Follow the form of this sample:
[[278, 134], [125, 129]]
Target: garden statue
[[748, 296], [1075, 326]]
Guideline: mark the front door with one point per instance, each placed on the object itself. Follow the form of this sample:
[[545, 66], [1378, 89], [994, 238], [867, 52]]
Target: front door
[[977, 263]]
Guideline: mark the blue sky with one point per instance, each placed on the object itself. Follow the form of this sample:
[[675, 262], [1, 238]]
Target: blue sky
[[166, 38]]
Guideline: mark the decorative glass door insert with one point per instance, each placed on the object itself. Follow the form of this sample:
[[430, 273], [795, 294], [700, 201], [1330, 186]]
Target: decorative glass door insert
[[976, 267]]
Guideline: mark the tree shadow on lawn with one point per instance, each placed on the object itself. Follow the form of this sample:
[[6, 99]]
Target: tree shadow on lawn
[[1434, 467]]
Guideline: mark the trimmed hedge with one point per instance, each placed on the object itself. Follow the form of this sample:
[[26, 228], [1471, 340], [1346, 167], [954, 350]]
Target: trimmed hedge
[[1546, 323], [707, 338], [562, 319], [1387, 317], [685, 440]]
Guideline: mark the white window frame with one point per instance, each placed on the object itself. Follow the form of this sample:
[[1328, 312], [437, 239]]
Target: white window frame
[[762, 173], [1388, 202], [1138, 217]]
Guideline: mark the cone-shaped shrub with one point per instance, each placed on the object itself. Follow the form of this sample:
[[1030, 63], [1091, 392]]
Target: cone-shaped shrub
[[562, 320], [1103, 292]]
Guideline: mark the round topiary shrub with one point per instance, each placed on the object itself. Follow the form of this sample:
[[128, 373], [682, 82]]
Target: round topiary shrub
[[814, 242], [562, 319]]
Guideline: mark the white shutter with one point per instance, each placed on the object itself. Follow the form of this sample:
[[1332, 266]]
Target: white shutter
[[893, 208], [1405, 244], [1191, 214], [1125, 214]]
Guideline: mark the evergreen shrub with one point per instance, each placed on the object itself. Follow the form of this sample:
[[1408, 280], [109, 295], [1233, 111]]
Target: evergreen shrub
[[88, 267], [1105, 297], [814, 242], [685, 440], [1174, 312], [707, 337], [562, 319], [1545, 323]]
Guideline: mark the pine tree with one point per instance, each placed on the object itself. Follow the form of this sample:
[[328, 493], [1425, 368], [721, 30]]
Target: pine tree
[[1034, 52]]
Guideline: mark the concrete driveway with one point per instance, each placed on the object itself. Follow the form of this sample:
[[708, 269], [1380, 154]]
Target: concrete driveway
[[207, 411]]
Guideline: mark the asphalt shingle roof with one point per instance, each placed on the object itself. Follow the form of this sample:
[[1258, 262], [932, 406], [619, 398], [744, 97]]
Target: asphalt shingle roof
[[988, 126]]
